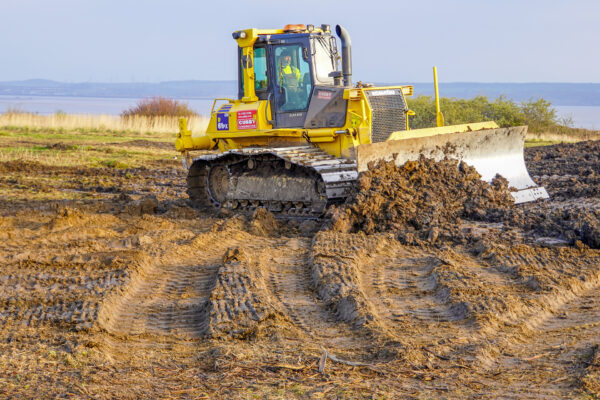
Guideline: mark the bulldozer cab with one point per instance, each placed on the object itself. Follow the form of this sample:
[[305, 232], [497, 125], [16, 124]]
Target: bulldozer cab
[[287, 67]]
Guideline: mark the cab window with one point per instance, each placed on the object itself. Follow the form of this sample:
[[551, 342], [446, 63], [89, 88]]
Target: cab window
[[260, 69], [260, 72], [293, 80], [325, 56]]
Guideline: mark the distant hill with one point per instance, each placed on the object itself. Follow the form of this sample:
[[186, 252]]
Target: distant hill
[[175, 89], [560, 94]]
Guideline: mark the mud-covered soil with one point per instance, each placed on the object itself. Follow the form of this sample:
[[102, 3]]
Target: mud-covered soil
[[421, 200], [428, 285]]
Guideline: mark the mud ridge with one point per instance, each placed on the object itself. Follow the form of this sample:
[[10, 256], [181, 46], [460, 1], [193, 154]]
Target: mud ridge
[[334, 268], [239, 303]]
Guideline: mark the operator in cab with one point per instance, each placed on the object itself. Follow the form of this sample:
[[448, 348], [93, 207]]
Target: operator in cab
[[290, 81], [288, 71]]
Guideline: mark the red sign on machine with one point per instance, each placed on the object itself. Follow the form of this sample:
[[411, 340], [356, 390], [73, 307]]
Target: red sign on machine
[[324, 95], [246, 119]]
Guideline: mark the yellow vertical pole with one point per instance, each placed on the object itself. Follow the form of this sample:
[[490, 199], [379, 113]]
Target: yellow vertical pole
[[248, 74], [439, 116]]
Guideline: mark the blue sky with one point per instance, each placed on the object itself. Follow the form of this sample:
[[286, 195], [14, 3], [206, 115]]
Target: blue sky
[[393, 41]]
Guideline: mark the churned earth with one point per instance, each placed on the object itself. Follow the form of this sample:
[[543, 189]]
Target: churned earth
[[428, 283]]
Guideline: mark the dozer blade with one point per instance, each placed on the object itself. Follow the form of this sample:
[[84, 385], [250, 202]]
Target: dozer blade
[[490, 151]]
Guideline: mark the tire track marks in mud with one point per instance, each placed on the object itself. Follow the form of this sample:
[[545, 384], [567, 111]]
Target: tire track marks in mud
[[261, 286], [175, 301], [413, 297], [551, 360], [291, 282], [518, 309], [404, 288], [44, 303], [467, 306], [36, 295], [162, 300]]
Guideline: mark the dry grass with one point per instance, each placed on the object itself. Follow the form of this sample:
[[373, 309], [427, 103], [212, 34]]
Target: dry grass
[[107, 156], [70, 122], [572, 136]]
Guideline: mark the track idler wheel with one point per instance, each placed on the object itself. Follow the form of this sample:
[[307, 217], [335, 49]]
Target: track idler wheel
[[217, 183]]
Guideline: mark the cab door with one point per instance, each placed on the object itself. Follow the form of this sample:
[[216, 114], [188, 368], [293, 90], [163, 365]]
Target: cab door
[[292, 82]]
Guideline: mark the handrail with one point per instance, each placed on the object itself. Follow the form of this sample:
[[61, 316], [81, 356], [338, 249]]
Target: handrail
[[212, 110], [269, 121]]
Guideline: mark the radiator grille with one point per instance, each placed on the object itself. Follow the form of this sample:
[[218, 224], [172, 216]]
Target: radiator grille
[[388, 111]]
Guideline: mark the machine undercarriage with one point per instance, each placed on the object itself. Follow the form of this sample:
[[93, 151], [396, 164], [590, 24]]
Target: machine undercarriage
[[294, 182]]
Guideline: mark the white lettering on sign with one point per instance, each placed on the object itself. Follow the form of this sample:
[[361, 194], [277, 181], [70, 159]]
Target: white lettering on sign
[[324, 95], [246, 119], [387, 92]]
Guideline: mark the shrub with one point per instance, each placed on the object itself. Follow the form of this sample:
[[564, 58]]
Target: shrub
[[159, 107], [537, 114]]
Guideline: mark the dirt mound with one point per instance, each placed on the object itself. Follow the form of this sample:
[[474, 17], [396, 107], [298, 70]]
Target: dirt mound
[[263, 223], [423, 200], [428, 202], [144, 205]]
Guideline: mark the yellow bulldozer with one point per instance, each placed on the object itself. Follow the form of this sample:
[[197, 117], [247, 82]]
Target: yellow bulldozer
[[300, 132]]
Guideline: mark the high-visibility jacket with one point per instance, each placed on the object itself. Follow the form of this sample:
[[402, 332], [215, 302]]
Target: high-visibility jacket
[[289, 69]]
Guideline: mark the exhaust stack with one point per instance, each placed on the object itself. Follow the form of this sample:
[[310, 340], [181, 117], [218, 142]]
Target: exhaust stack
[[346, 54]]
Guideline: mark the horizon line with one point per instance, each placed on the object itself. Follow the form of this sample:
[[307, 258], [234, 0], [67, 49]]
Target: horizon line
[[235, 80]]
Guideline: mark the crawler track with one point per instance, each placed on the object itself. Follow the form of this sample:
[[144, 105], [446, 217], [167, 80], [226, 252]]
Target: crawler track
[[290, 182]]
